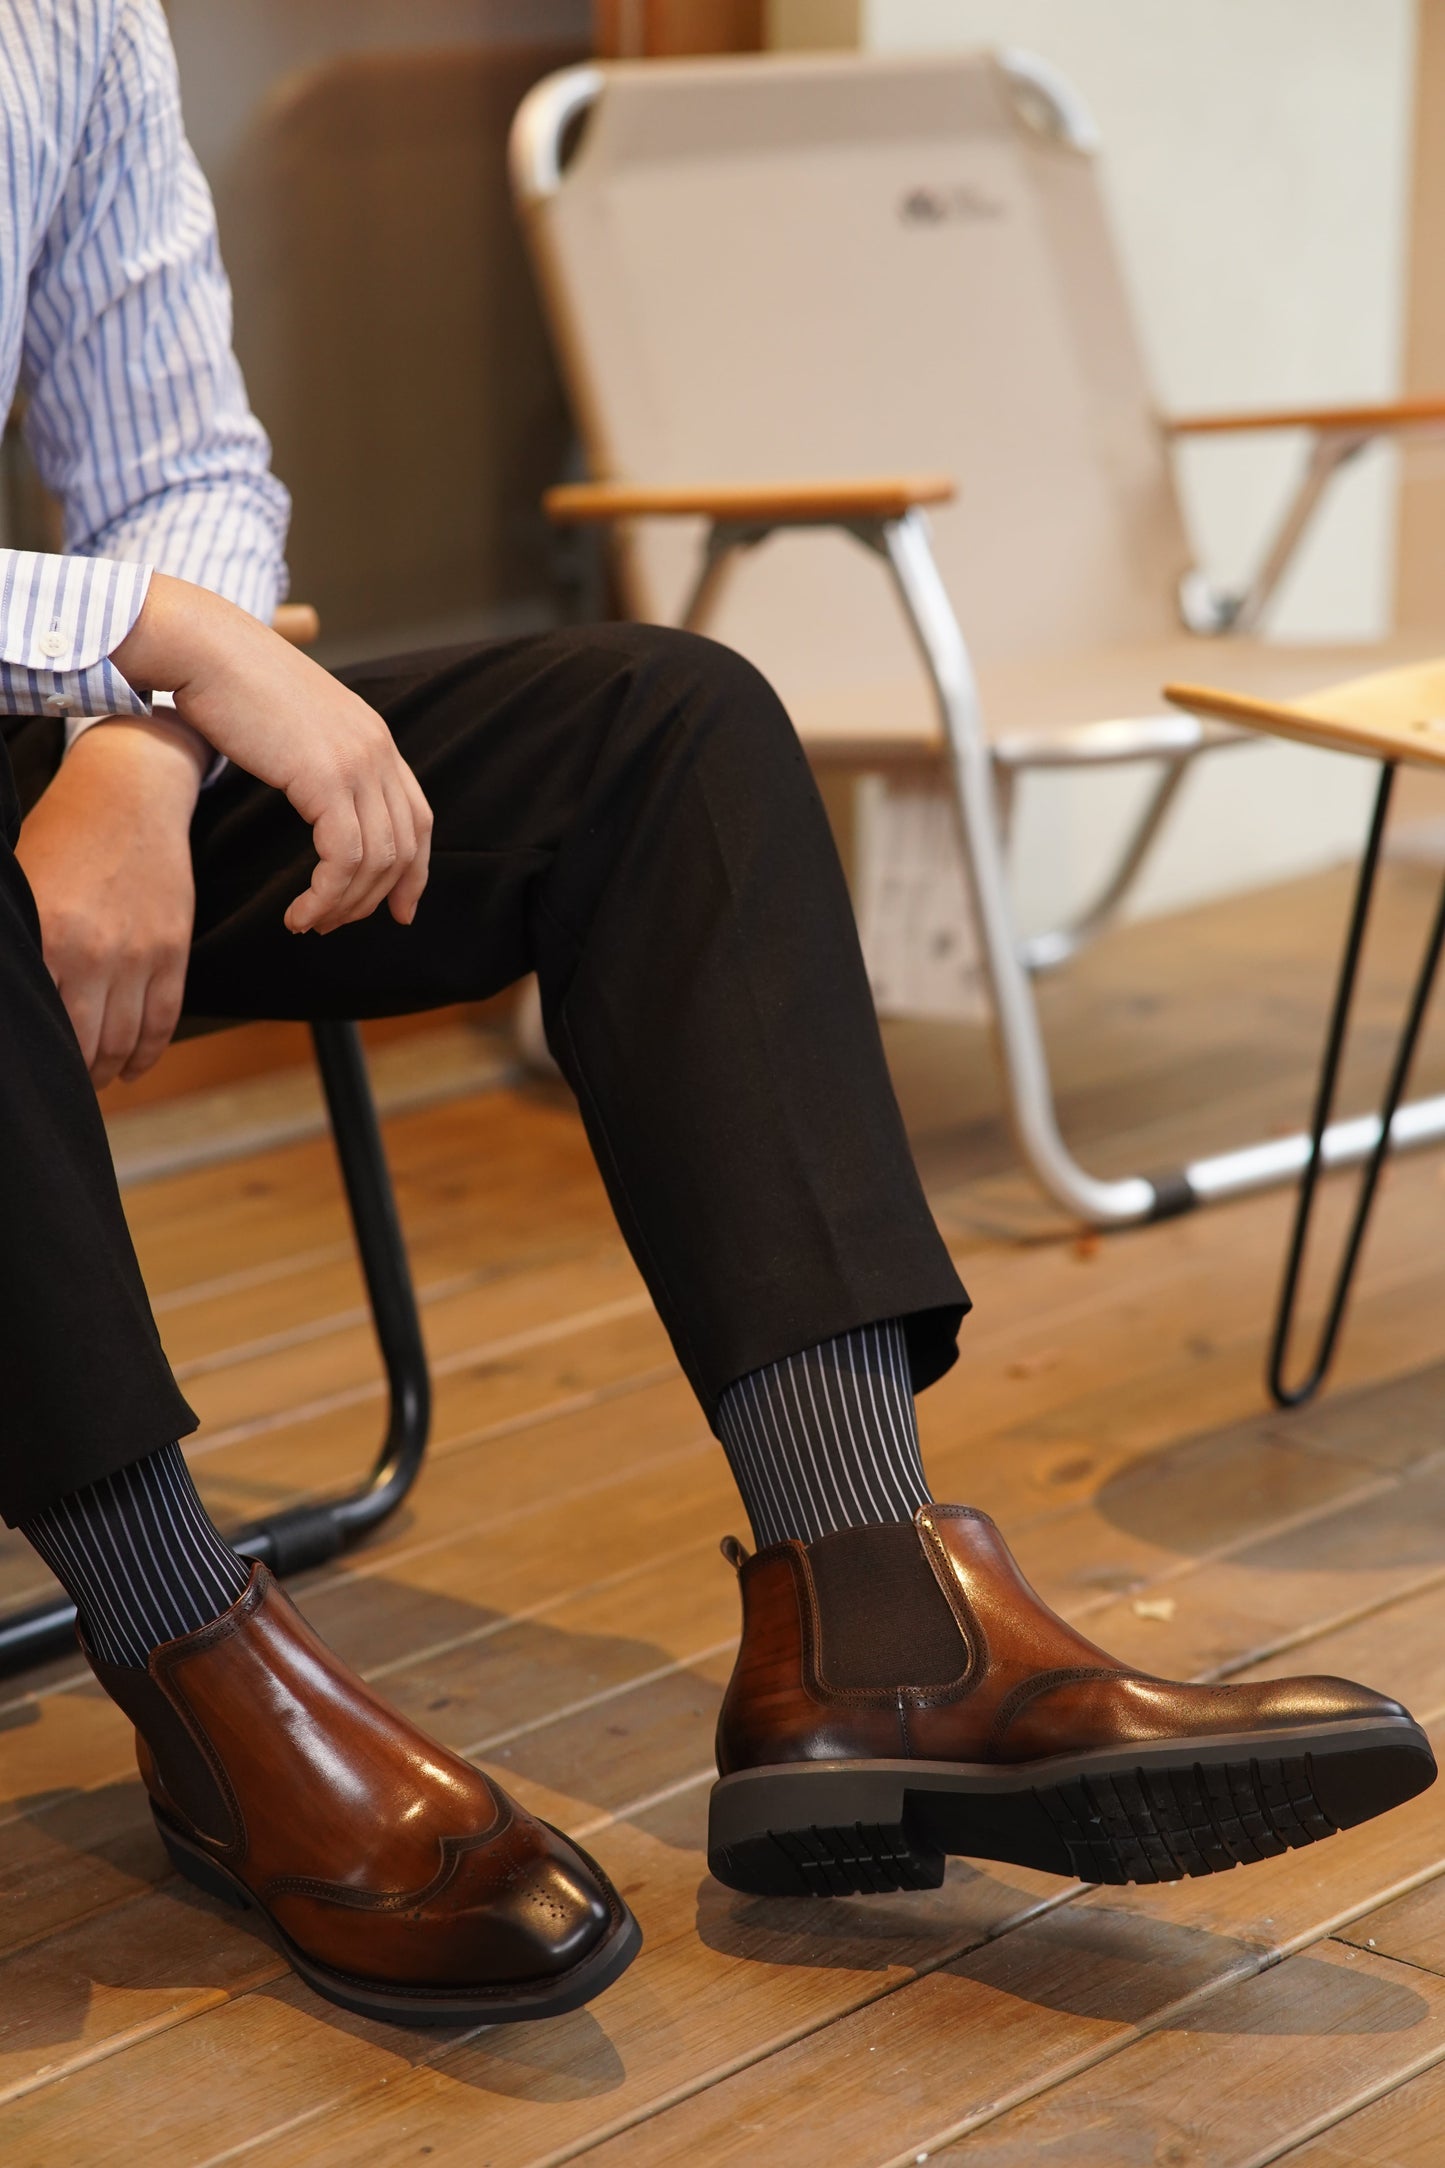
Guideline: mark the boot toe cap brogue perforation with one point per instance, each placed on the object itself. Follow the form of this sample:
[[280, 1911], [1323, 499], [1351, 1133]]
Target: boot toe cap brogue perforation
[[551, 1915], [1048, 1752]]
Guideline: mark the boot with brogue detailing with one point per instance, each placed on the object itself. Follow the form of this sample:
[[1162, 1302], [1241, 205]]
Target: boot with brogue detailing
[[901, 1693], [400, 1881]]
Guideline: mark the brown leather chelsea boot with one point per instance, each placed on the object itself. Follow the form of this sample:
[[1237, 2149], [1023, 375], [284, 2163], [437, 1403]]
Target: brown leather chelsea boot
[[399, 1880], [901, 1693]]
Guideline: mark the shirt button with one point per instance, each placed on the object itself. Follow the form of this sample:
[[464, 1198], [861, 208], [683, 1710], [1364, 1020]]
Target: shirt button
[[60, 704], [53, 643]]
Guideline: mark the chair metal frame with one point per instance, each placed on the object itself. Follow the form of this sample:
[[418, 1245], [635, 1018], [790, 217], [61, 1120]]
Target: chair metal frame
[[308, 1535], [983, 772]]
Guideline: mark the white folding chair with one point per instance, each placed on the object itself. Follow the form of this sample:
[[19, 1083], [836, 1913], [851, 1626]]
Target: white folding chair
[[769, 278]]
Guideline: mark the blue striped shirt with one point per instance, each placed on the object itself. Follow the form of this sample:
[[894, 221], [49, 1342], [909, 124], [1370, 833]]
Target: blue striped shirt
[[115, 320]]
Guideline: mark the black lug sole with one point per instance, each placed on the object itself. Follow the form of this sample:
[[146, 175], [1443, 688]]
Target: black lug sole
[[403, 2005], [1145, 1814]]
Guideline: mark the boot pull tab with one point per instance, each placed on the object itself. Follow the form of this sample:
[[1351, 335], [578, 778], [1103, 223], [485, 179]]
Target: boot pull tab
[[734, 1552]]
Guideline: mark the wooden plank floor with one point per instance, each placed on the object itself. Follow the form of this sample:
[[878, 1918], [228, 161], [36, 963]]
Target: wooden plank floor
[[551, 1601]]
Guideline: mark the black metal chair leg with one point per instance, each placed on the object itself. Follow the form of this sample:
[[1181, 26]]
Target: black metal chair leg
[[1293, 1396], [308, 1535]]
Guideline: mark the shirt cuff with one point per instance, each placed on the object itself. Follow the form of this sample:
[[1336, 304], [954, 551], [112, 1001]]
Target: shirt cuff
[[61, 619]]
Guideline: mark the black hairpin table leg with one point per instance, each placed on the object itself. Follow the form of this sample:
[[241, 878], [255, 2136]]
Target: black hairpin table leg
[[1292, 1396]]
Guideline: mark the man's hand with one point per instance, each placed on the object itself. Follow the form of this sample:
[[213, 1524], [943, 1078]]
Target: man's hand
[[107, 849], [278, 715], [107, 854]]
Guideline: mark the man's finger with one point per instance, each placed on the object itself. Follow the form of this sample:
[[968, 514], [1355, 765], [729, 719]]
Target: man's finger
[[403, 824], [395, 841], [159, 1018], [408, 891], [120, 1026], [377, 871], [338, 842], [84, 999]]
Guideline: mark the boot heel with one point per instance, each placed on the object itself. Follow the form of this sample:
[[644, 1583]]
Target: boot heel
[[853, 1860], [201, 1871], [819, 1831]]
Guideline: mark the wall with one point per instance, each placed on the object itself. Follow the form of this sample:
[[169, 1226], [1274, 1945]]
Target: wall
[[230, 56], [1256, 153], [385, 313]]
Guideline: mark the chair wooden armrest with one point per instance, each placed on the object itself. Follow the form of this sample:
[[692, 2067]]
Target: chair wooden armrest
[[1390, 715], [773, 504], [298, 623], [1370, 420]]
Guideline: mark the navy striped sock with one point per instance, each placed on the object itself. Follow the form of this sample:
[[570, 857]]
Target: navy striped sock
[[138, 1556], [827, 1439]]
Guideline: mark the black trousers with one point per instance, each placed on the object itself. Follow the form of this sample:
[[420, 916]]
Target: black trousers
[[624, 810]]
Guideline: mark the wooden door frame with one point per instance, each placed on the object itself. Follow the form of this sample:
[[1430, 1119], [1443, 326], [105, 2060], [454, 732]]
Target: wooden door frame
[[1420, 535], [639, 29]]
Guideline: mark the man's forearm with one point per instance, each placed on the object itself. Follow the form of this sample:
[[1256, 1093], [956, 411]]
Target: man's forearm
[[159, 746], [181, 636], [141, 775]]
